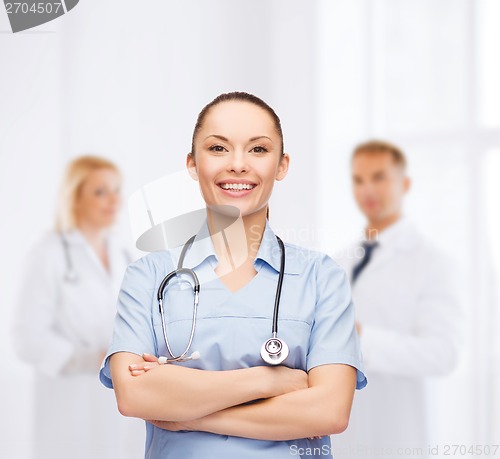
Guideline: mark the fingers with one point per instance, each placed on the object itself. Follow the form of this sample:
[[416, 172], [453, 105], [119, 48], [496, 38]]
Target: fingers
[[139, 369], [150, 361], [145, 366], [150, 358]]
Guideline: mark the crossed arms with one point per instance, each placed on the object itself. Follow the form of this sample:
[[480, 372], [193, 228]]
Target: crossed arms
[[287, 403]]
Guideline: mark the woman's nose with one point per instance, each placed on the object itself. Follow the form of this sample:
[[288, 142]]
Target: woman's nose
[[238, 161]]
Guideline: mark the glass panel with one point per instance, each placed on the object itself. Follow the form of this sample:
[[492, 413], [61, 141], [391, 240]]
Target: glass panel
[[439, 197], [491, 190], [341, 75], [488, 62], [419, 65]]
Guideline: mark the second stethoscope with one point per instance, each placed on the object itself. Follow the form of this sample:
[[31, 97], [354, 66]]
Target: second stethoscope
[[273, 351]]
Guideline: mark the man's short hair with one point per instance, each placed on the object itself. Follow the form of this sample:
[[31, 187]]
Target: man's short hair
[[381, 146]]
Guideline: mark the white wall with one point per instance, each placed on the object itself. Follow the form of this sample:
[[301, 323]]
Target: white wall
[[127, 82], [30, 166]]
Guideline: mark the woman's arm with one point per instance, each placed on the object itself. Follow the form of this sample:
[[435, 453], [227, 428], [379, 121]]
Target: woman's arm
[[176, 393], [322, 409]]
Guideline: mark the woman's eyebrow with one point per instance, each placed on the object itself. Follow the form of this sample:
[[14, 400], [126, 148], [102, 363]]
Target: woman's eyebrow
[[220, 137], [260, 137]]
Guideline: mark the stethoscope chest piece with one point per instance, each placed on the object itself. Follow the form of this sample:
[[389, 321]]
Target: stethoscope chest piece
[[274, 351]]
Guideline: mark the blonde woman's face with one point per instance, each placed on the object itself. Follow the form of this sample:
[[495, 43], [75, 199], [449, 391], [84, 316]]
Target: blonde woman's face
[[238, 144], [99, 199]]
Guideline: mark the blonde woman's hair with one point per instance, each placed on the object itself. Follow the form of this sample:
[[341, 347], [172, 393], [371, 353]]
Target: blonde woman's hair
[[74, 177]]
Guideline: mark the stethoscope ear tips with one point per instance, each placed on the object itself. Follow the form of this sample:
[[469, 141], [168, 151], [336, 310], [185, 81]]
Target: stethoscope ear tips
[[274, 351], [195, 355], [164, 360]]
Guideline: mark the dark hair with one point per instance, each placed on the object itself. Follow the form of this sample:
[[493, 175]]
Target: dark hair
[[239, 96], [381, 146]]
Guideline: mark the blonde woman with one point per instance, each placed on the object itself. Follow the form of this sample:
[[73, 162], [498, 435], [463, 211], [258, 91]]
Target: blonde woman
[[62, 327]]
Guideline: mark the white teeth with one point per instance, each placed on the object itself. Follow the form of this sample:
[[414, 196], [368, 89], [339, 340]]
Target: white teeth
[[236, 186]]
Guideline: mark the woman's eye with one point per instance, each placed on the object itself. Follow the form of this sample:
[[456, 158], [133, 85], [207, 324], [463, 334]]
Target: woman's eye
[[218, 148], [259, 149]]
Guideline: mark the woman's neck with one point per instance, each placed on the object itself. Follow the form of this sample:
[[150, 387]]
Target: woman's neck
[[236, 241], [95, 235]]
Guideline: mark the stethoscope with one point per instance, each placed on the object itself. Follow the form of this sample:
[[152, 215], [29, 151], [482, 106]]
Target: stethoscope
[[71, 276], [273, 351]]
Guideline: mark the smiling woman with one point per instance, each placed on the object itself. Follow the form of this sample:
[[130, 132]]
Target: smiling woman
[[202, 407], [252, 142]]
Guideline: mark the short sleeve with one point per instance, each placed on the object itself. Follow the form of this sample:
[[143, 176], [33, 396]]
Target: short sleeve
[[333, 336], [132, 329]]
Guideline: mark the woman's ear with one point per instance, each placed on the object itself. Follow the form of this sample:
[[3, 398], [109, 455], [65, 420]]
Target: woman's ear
[[406, 184], [283, 166], [191, 166]]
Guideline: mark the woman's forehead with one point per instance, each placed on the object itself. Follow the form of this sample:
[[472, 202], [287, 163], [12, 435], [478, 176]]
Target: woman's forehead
[[238, 119], [99, 176]]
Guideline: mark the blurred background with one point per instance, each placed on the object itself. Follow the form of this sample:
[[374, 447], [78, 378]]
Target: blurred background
[[126, 80]]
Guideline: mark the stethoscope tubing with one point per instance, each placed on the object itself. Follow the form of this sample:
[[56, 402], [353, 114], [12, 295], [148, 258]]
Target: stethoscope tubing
[[267, 354]]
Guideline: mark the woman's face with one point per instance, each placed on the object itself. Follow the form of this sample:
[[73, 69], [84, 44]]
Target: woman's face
[[237, 156], [99, 199]]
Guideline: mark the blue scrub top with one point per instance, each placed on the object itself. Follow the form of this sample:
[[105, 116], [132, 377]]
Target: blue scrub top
[[316, 319]]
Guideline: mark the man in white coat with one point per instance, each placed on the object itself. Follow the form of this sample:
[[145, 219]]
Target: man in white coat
[[408, 313]]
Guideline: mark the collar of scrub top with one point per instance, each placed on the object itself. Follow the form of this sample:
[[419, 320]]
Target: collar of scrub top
[[269, 251]]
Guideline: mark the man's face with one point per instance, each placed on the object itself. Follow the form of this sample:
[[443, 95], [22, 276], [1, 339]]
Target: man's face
[[379, 184]]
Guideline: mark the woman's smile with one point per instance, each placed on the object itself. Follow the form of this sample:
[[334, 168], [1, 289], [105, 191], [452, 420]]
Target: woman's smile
[[236, 188]]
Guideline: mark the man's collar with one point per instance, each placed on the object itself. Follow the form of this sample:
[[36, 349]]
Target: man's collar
[[401, 234]]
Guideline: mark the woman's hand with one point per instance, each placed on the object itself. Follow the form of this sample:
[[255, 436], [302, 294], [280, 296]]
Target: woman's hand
[[283, 380], [150, 362], [173, 426]]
